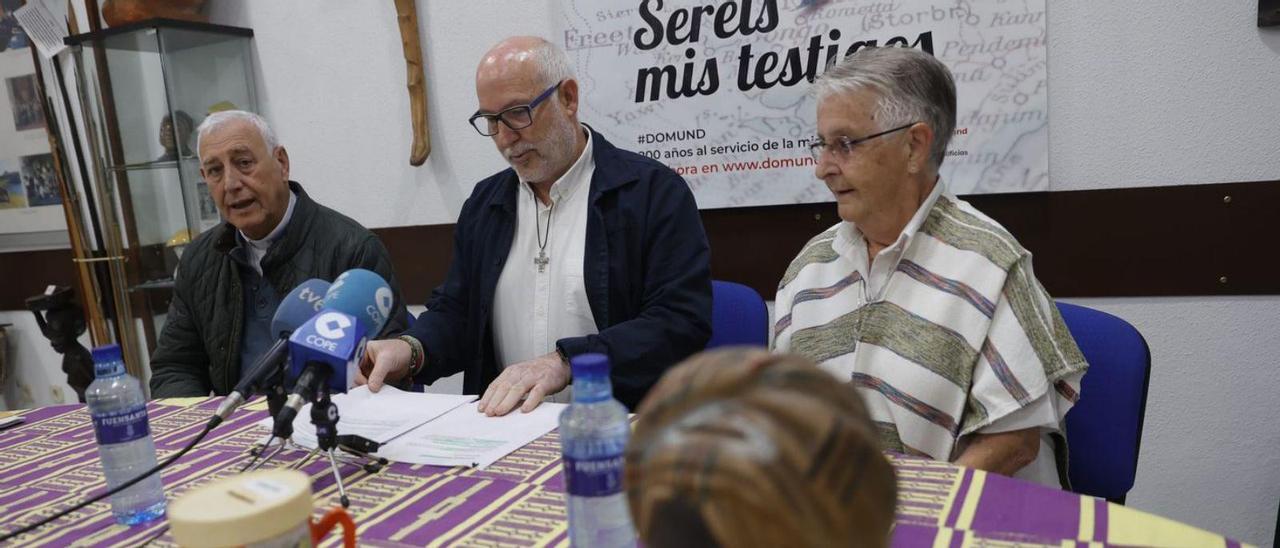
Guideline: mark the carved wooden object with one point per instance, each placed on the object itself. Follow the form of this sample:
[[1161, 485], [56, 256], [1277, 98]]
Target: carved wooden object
[[407, 16]]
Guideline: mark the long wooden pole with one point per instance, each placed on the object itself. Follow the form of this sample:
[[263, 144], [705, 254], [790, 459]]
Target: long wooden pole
[[87, 283], [112, 228]]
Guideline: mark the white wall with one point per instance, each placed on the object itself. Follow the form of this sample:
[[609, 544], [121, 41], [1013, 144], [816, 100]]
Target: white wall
[[331, 79], [1178, 92], [1158, 93]]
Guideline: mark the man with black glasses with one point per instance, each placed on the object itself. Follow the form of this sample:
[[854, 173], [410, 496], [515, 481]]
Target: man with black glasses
[[579, 247]]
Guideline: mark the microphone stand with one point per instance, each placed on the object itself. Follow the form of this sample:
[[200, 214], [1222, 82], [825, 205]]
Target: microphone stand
[[283, 430], [324, 415], [312, 387], [273, 387]]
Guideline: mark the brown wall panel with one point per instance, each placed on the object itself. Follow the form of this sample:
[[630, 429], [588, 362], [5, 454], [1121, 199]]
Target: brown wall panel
[[1217, 239], [26, 274], [1155, 241], [421, 255], [1214, 239]]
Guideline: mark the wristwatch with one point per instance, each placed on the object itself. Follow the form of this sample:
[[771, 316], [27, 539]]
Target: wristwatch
[[565, 358]]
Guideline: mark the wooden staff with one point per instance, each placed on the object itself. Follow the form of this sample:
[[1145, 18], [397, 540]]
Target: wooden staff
[[88, 284], [407, 16]]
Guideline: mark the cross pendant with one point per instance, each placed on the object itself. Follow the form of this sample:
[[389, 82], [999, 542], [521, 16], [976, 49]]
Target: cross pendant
[[541, 260]]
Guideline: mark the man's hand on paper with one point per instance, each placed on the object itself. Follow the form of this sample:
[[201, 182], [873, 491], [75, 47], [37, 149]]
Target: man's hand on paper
[[532, 380], [384, 361]]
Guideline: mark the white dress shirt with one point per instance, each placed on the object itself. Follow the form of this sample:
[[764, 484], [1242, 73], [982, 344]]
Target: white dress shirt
[[533, 309]]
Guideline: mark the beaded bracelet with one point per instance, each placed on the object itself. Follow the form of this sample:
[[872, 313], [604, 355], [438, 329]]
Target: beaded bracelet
[[417, 359]]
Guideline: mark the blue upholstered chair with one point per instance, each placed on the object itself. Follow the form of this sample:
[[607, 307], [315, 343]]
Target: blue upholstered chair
[[738, 316], [1104, 429]]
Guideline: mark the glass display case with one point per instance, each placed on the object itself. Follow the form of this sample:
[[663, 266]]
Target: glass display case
[[144, 88]]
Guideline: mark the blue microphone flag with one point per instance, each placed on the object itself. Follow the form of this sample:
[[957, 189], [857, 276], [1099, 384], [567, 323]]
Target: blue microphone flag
[[334, 340]]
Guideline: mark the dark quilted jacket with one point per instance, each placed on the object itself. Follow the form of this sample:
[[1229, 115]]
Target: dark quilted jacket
[[199, 348]]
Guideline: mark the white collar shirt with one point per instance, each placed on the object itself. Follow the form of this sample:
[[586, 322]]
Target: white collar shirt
[[533, 307], [258, 248], [851, 243]]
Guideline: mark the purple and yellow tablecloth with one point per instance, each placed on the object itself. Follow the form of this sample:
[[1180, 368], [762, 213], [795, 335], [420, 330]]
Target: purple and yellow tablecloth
[[51, 462]]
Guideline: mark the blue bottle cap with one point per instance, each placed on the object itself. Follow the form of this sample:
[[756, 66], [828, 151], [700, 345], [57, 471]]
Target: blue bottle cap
[[107, 353], [590, 365], [107, 360]]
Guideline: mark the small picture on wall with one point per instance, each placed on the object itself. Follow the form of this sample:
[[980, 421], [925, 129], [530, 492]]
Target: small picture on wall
[[25, 103], [40, 180], [11, 33], [208, 210], [11, 193]]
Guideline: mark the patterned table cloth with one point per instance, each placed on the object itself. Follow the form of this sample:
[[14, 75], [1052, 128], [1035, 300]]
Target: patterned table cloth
[[51, 462]]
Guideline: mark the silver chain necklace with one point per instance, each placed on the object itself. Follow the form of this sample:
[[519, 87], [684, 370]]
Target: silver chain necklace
[[541, 260]]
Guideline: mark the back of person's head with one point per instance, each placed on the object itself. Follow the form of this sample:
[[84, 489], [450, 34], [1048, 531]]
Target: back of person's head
[[745, 448]]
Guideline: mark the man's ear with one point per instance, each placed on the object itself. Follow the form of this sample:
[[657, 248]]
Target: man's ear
[[568, 96], [282, 156], [919, 142]]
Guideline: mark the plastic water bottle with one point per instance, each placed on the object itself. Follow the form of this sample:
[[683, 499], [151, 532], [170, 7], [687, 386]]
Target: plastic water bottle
[[119, 412], [593, 436]]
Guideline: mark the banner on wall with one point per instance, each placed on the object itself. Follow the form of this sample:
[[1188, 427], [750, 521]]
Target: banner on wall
[[719, 90]]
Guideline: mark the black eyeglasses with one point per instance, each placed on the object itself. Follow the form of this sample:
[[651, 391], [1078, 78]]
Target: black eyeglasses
[[517, 117], [845, 144]]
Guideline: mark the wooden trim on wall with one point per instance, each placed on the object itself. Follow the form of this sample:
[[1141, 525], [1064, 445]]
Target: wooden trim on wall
[[1212, 239], [1154, 241]]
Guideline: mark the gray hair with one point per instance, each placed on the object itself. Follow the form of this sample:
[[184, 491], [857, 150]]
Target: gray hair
[[219, 119], [913, 86], [552, 63]]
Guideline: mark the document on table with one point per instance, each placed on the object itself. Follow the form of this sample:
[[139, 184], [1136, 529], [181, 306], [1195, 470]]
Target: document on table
[[466, 437], [379, 417]]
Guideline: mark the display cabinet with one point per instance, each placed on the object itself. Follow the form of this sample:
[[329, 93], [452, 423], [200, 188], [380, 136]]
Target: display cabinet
[[144, 88]]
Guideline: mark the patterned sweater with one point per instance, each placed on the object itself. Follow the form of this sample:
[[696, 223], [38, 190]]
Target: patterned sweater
[[962, 335]]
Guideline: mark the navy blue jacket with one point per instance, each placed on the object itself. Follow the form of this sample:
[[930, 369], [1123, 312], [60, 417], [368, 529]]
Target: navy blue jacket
[[647, 275]]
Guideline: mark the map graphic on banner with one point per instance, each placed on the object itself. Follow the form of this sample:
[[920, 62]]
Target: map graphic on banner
[[719, 91]]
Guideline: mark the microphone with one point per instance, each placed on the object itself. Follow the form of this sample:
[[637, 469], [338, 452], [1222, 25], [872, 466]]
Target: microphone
[[325, 351], [364, 294], [301, 303]]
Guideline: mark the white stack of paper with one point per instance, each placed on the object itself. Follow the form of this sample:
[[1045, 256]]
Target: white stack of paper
[[466, 437], [435, 429], [379, 417]]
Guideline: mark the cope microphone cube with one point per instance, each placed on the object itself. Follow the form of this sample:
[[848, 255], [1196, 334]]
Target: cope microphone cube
[[333, 340]]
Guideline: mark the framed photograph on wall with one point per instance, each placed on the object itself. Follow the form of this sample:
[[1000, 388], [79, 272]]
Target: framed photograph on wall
[[12, 196], [208, 210], [24, 100], [11, 34], [39, 180]]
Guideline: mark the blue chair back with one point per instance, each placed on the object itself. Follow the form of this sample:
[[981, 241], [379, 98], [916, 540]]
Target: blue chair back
[[1104, 429], [738, 316]]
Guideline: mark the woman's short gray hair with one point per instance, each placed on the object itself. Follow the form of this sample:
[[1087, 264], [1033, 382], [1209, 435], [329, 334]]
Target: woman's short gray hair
[[913, 86], [219, 119], [552, 63]]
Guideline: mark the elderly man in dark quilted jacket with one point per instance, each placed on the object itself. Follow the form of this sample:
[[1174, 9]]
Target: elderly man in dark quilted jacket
[[231, 278]]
